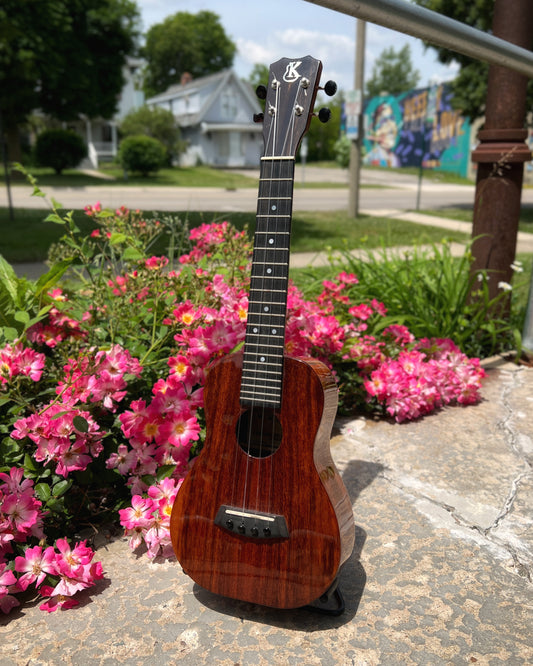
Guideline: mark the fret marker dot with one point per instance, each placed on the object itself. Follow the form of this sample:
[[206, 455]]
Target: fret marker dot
[[266, 308], [271, 241], [256, 330], [274, 207], [274, 331], [269, 270], [262, 359]]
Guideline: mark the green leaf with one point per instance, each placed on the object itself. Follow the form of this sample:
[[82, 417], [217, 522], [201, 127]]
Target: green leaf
[[10, 333], [22, 316], [43, 492], [165, 471], [29, 463], [132, 254], [8, 280], [117, 238], [61, 488], [37, 192], [54, 217], [80, 423]]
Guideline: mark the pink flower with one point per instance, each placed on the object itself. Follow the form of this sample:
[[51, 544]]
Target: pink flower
[[138, 515], [35, 565], [21, 511], [13, 482], [55, 601], [7, 581]]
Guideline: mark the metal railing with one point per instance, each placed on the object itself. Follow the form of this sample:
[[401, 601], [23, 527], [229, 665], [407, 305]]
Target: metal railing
[[450, 34], [438, 29]]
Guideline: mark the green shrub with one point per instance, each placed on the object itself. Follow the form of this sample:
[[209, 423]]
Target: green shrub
[[142, 154], [342, 151], [60, 149], [158, 123]]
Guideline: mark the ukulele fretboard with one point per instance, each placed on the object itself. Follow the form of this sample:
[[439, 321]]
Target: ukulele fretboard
[[262, 373]]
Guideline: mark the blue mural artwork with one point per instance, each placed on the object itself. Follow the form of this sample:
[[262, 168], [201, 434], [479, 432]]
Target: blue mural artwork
[[418, 128]]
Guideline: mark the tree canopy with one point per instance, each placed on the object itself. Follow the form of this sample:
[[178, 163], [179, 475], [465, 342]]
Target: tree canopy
[[185, 42], [64, 57], [393, 73], [470, 85]]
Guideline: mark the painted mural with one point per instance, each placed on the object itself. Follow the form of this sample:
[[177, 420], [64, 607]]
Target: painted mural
[[418, 128]]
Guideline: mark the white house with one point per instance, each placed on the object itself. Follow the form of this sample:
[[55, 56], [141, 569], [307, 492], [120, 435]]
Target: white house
[[215, 115], [101, 135]]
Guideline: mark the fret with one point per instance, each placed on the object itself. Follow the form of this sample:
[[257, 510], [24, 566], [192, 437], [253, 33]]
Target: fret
[[255, 393], [262, 371], [270, 263], [252, 385], [262, 396], [259, 374], [266, 335]]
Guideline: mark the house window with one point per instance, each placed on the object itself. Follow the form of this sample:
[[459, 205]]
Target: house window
[[228, 105]]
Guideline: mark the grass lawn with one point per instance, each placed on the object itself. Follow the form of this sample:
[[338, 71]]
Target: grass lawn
[[182, 177], [28, 238], [465, 213]]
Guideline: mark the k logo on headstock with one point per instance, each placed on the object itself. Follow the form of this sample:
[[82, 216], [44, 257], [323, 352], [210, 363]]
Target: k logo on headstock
[[290, 97], [291, 73]]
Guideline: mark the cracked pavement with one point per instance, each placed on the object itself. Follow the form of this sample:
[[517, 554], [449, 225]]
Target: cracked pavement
[[441, 572]]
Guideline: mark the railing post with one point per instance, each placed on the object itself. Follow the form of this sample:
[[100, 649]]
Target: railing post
[[502, 152]]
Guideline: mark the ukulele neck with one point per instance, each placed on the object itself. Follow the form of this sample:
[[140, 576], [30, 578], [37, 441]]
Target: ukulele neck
[[262, 373]]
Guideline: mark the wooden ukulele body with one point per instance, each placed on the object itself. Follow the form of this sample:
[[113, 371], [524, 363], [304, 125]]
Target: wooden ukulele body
[[298, 482]]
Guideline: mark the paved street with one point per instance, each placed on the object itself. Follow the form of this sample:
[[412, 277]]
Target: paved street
[[395, 191]]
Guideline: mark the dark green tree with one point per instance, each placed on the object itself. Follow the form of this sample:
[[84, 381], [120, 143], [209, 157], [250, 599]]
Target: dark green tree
[[259, 75], [470, 85], [322, 137], [64, 57], [392, 73], [185, 43]]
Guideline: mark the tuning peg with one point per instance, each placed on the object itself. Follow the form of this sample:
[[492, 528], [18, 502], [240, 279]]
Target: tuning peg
[[324, 115], [259, 117], [261, 91], [330, 88]]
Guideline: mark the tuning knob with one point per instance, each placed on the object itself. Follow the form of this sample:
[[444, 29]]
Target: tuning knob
[[259, 117], [324, 115], [330, 88], [261, 92]]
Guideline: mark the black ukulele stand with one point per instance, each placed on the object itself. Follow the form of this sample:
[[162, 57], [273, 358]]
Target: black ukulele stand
[[330, 603]]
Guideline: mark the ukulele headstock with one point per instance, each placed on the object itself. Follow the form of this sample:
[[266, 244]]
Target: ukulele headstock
[[289, 102]]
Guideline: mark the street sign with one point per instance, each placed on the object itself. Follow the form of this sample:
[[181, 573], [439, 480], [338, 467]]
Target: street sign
[[352, 109]]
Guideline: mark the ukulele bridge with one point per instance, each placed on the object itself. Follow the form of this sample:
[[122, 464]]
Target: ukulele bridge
[[254, 524]]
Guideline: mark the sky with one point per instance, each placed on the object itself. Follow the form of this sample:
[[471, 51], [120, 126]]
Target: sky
[[267, 30]]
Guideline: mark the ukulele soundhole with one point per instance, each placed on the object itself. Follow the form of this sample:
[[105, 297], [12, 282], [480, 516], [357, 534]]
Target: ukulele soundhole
[[259, 431]]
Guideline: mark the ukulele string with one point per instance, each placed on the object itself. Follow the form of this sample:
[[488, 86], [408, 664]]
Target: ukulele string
[[280, 225], [269, 145]]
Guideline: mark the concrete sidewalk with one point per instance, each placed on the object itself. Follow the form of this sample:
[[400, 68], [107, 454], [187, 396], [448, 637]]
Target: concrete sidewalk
[[441, 572]]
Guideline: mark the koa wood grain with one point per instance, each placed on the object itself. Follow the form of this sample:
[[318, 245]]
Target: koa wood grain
[[298, 481]]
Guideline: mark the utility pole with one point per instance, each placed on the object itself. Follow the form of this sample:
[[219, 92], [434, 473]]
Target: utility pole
[[357, 143], [502, 152]]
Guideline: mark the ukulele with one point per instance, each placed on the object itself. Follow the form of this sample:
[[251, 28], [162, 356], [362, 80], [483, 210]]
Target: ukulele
[[263, 515]]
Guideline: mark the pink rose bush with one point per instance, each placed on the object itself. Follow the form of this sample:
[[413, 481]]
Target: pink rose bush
[[102, 400], [66, 570]]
